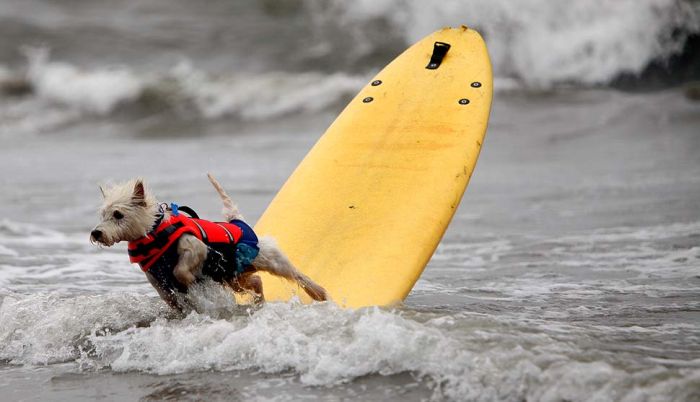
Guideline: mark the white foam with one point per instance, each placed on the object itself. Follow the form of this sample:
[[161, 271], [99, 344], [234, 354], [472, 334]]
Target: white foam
[[243, 95], [262, 96], [42, 328], [7, 251], [328, 346], [96, 91], [540, 42], [40, 259], [23, 229], [65, 93], [31, 235], [32, 115], [464, 357]]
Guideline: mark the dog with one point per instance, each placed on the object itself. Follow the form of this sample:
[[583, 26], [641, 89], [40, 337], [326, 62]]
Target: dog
[[176, 251]]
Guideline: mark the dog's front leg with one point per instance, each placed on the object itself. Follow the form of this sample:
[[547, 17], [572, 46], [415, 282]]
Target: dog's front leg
[[191, 253], [168, 296]]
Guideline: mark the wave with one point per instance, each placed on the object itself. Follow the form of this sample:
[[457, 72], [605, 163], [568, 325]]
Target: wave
[[534, 45], [257, 97], [97, 91], [47, 328], [540, 43], [465, 356], [60, 94], [187, 90], [34, 258], [523, 350]]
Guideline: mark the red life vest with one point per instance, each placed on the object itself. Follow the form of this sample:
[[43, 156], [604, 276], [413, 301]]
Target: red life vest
[[148, 249]]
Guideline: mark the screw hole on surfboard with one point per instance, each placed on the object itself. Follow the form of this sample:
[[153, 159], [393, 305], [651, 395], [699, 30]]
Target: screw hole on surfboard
[[476, 84], [464, 101], [376, 83], [368, 99]]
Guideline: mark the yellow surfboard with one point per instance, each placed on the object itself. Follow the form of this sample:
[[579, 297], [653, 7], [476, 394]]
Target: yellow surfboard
[[364, 211]]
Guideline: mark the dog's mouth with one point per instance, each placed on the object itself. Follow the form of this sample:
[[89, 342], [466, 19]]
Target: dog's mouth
[[101, 242]]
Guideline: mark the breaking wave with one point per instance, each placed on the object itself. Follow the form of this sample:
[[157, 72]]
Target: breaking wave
[[335, 48], [61, 93], [540, 43], [463, 357]]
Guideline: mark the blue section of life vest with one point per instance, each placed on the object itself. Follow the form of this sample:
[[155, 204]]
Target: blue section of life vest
[[245, 255], [247, 247]]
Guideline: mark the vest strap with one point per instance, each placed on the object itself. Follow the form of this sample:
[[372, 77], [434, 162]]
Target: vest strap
[[160, 240], [228, 233], [201, 230], [189, 211]]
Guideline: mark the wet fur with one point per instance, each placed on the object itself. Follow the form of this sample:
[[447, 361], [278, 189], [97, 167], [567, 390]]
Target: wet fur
[[139, 209]]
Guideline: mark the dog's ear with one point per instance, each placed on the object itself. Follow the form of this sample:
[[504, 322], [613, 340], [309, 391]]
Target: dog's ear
[[102, 191], [139, 196]]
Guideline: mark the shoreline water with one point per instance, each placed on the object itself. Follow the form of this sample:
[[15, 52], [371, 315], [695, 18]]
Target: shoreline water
[[568, 271]]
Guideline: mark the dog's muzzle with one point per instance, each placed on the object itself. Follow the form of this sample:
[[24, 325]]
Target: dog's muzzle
[[96, 235]]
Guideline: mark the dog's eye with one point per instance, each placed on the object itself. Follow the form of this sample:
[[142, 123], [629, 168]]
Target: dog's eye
[[117, 215]]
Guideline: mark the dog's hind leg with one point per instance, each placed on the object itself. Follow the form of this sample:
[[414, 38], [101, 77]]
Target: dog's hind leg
[[271, 259], [252, 282], [249, 283], [230, 210]]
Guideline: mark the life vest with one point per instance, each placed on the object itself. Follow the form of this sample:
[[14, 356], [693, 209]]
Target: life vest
[[148, 249]]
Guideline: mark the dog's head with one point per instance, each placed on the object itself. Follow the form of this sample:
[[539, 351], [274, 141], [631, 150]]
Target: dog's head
[[128, 212]]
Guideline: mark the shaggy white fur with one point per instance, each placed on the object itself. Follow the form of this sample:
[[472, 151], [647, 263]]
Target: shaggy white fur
[[128, 212]]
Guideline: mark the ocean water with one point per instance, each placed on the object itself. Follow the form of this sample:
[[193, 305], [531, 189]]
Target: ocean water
[[571, 271]]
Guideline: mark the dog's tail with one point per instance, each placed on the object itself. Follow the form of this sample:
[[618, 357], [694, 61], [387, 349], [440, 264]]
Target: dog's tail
[[314, 290], [230, 209], [272, 260]]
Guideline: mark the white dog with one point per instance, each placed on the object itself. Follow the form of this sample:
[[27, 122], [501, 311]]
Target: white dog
[[175, 250]]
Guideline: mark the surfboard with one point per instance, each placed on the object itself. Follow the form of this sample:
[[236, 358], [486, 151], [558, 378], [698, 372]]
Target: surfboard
[[364, 211]]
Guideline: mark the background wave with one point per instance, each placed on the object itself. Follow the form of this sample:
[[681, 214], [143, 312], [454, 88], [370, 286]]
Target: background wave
[[261, 60], [540, 43]]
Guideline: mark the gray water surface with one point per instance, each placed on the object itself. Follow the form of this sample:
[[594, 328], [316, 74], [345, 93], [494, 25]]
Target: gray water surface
[[570, 271]]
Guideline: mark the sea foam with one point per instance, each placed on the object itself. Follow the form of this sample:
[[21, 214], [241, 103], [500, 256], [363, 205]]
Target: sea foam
[[65, 93], [540, 43], [96, 91], [465, 356]]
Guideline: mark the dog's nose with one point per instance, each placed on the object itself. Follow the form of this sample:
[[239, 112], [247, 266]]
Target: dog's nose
[[96, 234]]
